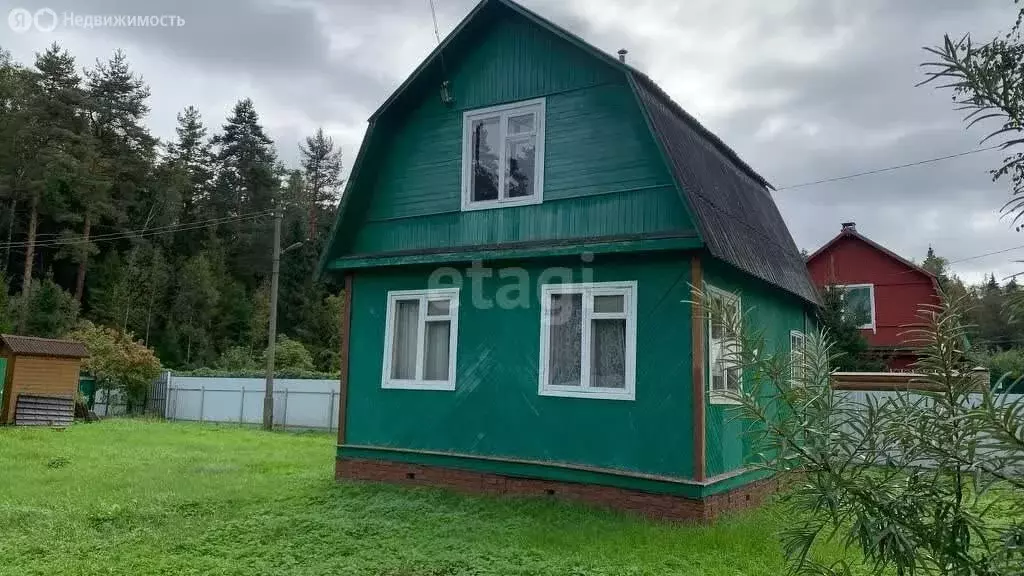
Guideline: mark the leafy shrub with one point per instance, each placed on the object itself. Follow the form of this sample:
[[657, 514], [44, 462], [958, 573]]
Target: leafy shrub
[[1007, 367], [258, 373], [291, 355], [117, 361], [237, 358]]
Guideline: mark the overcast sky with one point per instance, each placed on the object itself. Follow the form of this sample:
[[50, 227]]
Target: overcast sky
[[802, 89]]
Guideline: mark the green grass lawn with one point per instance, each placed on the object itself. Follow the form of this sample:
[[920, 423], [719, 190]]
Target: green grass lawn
[[141, 497]]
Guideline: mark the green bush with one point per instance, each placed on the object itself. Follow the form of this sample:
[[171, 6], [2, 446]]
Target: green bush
[[1007, 369], [291, 355], [117, 361], [258, 373], [237, 358]]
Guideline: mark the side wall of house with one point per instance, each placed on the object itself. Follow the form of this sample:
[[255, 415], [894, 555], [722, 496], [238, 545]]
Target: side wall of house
[[603, 173], [772, 312], [900, 290], [495, 410]]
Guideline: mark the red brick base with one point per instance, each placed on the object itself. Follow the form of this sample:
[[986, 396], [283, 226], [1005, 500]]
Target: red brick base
[[660, 506]]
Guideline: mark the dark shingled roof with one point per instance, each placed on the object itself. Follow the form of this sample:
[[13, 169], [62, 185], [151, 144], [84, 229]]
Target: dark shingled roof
[[32, 346], [735, 213]]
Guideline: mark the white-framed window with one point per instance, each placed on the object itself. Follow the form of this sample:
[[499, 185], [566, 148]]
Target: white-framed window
[[859, 304], [724, 352], [420, 339], [588, 340], [503, 155], [797, 346]]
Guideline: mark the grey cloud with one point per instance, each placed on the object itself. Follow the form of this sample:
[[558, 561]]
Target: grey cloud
[[825, 88]]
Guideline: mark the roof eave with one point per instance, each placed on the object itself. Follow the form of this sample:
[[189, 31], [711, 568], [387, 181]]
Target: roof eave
[[858, 236]]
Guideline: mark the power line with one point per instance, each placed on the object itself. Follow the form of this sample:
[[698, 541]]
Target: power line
[[888, 168], [118, 235], [1004, 250], [143, 232]]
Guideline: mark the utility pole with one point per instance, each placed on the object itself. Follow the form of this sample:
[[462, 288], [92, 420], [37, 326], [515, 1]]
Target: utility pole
[[268, 398]]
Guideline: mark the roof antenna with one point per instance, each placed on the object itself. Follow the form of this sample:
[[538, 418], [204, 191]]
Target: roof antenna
[[433, 14], [446, 92]]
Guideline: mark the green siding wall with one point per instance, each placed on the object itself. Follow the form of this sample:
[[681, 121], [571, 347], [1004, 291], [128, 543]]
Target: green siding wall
[[603, 174], [496, 410], [770, 310]]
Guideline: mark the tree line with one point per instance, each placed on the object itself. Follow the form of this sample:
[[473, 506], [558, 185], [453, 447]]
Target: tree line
[[169, 241]]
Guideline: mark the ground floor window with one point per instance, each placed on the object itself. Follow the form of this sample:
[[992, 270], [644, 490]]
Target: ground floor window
[[420, 339], [724, 345], [588, 340]]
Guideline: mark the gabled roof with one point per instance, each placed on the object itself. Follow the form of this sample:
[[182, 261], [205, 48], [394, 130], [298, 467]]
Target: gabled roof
[[735, 214], [851, 232], [32, 346]]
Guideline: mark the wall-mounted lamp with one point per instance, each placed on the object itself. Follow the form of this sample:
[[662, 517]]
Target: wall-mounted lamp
[[446, 94]]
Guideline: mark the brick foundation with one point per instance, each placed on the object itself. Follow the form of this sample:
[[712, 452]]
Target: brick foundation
[[661, 506]]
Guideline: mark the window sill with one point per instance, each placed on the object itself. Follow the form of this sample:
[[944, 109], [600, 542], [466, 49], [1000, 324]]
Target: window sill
[[726, 398], [600, 395], [493, 204], [418, 385]]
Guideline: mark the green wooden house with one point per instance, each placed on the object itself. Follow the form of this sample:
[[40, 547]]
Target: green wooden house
[[519, 239]]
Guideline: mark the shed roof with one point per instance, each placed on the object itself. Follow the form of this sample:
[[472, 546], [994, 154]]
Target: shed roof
[[32, 346]]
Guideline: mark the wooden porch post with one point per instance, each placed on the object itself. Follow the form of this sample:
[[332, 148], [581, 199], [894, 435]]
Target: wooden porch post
[[345, 327], [697, 353]]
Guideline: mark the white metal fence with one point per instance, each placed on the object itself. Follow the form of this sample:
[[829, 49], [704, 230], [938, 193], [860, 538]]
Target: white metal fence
[[297, 403], [861, 398]]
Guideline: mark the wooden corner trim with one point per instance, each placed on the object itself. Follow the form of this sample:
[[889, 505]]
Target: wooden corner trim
[[345, 328], [697, 374]]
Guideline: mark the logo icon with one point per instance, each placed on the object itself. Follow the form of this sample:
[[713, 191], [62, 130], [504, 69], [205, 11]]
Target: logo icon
[[20, 19], [45, 20]]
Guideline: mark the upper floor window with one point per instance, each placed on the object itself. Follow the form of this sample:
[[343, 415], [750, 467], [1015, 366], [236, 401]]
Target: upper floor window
[[859, 304], [503, 155]]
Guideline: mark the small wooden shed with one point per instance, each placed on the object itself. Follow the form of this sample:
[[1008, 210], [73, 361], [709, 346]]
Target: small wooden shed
[[39, 379]]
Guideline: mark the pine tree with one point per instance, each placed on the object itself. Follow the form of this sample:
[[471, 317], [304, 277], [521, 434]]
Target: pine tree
[[15, 149], [192, 157], [850, 345], [247, 183], [50, 143], [117, 100], [322, 166]]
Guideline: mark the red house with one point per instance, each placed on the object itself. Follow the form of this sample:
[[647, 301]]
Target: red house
[[883, 290]]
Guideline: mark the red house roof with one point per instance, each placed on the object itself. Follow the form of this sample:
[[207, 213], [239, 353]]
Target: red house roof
[[849, 230], [899, 287]]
